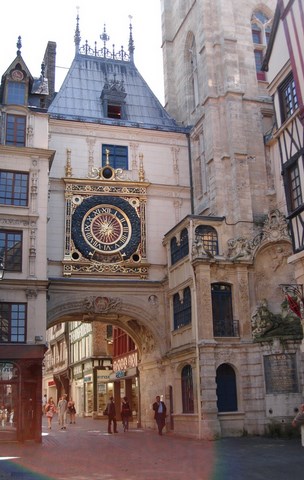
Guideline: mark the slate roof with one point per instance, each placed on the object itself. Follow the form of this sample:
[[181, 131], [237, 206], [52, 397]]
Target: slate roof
[[91, 72]]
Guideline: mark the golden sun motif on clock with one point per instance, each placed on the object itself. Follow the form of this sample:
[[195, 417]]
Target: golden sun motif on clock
[[106, 228]]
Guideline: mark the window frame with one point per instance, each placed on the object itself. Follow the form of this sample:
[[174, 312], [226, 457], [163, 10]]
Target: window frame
[[182, 309], [288, 99], [179, 250], [222, 310], [9, 306], [16, 194], [209, 238], [118, 156], [15, 130], [9, 252], [16, 93], [187, 389]]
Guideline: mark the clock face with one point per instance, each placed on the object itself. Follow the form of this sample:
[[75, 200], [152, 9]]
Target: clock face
[[17, 75], [106, 226]]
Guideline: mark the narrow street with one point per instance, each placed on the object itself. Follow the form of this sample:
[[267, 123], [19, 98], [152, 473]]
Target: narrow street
[[86, 451]]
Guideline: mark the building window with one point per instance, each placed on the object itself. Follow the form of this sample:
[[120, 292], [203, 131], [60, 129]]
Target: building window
[[118, 156], [14, 188], [182, 309], [114, 111], [288, 98], [260, 29], [208, 237], [15, 130], [295, 187], [187, 389], [222, 310], [181, 250], [11, 250], [226, 389], [16, 93], [122, 342], [12, 322]]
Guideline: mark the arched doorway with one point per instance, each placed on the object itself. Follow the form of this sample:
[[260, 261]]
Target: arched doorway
[[226, 388]]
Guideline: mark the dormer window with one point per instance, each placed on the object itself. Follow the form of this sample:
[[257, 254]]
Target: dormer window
[[114, 111], [113, 97], [15, 93]]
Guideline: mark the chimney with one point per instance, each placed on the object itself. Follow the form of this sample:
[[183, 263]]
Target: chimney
[[50, 63]]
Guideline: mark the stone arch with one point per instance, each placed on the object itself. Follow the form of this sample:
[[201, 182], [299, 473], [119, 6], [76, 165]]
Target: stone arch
[[140, 323]]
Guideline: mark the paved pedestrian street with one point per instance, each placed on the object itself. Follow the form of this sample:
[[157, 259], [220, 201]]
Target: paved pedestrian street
[[86, 451]]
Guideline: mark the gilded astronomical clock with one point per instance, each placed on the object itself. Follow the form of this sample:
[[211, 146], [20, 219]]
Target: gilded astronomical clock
[[105, 225], [106, 228]]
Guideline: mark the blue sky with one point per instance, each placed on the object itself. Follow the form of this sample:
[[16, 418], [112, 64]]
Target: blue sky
[[37, 23]]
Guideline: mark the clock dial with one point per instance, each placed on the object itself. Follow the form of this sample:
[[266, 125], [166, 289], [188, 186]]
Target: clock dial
[[17, 75], [106, 227]]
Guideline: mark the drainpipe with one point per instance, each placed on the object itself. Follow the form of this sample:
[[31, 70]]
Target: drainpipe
[[190, 173], [197, 352]]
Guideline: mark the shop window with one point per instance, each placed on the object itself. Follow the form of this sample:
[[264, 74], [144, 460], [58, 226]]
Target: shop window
[[222, 310], [15, 130], [14, 188], [226, 389], [187, 389], [11, 250], [13, 318], [182, 309]]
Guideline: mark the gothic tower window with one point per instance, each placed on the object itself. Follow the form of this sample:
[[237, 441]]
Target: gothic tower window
[[260, 28], [192, 73]]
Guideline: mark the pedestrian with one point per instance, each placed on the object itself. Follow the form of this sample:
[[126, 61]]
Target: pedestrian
[[3, 416], [299, 421], [44, 402], [72, 410], [62, 408], [111, 412], [160, 409], [125, 413], [50, 410]]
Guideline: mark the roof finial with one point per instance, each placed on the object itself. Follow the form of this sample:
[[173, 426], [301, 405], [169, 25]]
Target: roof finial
[[104, 37], [77, 36], [19, 46], [131, 42]]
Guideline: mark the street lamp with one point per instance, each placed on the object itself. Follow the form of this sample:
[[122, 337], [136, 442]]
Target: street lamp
[[295, 297], [2, 268]]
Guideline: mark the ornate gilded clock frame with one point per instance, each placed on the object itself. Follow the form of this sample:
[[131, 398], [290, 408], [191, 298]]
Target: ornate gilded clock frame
[[105, 228]]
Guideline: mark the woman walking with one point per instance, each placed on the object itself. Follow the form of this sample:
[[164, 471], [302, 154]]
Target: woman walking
[[72, 410], [50, 410]]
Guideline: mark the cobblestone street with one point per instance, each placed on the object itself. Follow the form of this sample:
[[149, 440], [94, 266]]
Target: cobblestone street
[[86, 451]]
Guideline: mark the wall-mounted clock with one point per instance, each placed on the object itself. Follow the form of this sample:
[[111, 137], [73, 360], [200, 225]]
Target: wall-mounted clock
[[17, 75], [106, 225]]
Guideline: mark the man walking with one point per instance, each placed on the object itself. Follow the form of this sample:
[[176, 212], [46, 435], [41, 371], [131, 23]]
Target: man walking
[[111, 415], [160, 409], [62, 411], [299, 421]]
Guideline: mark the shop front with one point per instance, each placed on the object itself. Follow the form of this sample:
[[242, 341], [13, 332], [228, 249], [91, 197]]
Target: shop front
[[20, 393]]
